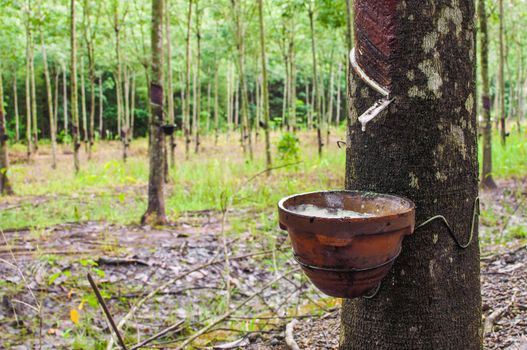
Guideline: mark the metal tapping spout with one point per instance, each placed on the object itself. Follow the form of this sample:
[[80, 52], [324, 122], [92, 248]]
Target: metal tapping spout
[[381, 104]]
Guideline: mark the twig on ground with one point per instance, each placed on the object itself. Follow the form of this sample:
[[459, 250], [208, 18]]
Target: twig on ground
[[157, 335], [232, 311], [106, 312], [289, 337]]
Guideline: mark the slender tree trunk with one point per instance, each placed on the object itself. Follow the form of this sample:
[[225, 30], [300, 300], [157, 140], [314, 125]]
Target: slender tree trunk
[[236, 107], [423, 147], [65, 99], [15, 103], [309, 108], [209, 87], [121, 126], [285, 97], [258, 98], [126, 119], [74, 106], [132, 109], [155, 214], [56, 100], [265, 86], [197, 80], [487, 180], [5, 186], [50, 104], [101, 109], [503, 129], [170, 89], [240, 44], [339, 81], [349, 44], [292, 76], [83, 108], [316, 104], [216, 108], [29, 141], [33, 98], [186, 114], [229, 100], [329, 114]]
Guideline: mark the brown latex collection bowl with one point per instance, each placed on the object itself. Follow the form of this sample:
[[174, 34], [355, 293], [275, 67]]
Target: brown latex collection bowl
[[346, 257]]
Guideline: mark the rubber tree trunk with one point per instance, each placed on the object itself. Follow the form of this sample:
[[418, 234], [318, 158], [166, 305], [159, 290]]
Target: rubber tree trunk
[[50, 104], [265, 86], [101, 108], [15, 103], [33, 98], [316, 91], [186, 113], [5, 186], [501, 76], [424, 148], [155, 214], [29, 142], [74, 96], [197, 81], [65, 99], [486, 176], [170, 91]]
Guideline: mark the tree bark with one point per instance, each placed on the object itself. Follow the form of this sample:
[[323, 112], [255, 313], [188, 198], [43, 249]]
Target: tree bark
[[5, 186], [155, 214], [74, 97], [265, 87], [50, 104], [423, 147]]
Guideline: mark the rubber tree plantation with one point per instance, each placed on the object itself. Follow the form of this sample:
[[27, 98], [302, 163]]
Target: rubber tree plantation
[[286, 174]]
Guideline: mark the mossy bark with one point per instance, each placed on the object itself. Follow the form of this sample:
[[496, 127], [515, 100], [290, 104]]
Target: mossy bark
[[424, 148]]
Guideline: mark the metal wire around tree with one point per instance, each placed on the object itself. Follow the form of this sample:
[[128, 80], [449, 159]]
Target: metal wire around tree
[[475, 213]]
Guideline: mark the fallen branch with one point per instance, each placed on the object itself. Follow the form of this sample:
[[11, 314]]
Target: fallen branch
[[157, 336], [289, 338], [232, 311], [120, 261], [494, 317], [106, 311]]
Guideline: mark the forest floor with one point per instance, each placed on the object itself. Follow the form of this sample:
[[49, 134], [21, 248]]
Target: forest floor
[[222, 264]]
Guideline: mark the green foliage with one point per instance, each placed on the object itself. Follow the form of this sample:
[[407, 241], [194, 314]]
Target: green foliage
[[289, 147]]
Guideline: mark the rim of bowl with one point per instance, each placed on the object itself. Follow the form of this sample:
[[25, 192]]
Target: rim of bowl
[[410, 208]]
